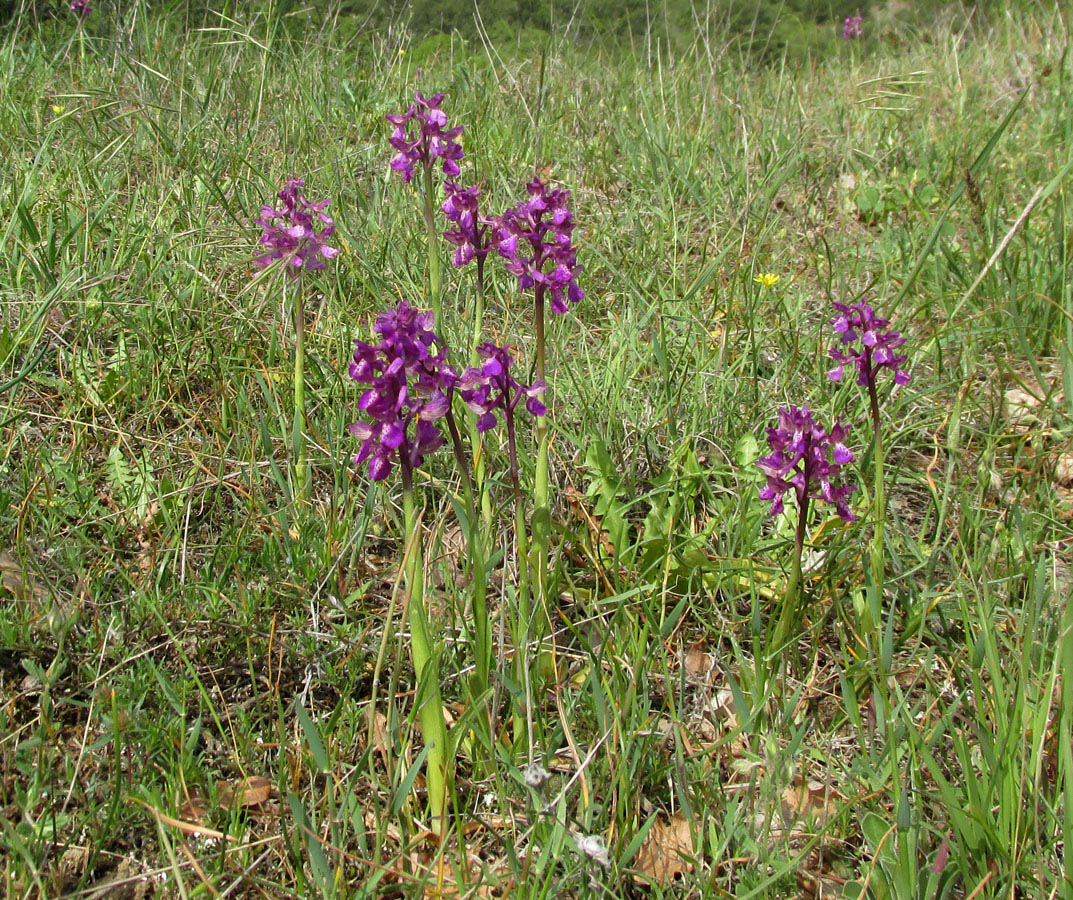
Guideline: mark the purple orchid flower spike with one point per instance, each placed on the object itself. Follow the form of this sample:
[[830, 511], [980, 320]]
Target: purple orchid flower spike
[[851, 27], [807, 460], [536, 239], [859, 322], [471, 232], [296, 239], [490, 388], [410, 384], [80, 8], [406, 334], [420, 137]]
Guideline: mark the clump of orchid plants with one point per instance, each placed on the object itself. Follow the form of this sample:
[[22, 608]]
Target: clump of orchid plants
[[806, 459], [410, 390], [408, 402]]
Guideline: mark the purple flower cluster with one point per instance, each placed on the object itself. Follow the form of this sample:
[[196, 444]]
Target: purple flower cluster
[[80, 8], [470, 234], [877, 346], [535, 238], [851, 27], [296, 239], [491, 387], [426, 142], [806, 458], [409, 384]]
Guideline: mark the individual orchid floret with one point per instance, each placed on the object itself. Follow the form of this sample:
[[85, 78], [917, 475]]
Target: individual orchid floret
[[851, 27], [296, 238], [535, 238], [470, 234], [410, 384], [490, 387], [807, 460], [420, 137], [80, 8], [876, 351]]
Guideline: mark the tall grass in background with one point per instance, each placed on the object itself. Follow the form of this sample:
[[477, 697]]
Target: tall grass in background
[[203, 688]]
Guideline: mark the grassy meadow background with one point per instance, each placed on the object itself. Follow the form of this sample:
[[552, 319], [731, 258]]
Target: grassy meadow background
[[205, 690]]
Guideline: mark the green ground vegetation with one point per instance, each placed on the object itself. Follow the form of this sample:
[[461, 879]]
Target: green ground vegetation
[[204, 686]]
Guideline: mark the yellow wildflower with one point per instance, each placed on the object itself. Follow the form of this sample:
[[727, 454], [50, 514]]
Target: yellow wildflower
[[768, 279]]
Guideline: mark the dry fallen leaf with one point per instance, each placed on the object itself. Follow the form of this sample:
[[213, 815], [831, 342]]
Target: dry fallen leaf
[[722, 707], [698, 663], [660, 858], [390, 830], [1065, 500], [193, 809], [810, 801], [822, 886], [250, 791]]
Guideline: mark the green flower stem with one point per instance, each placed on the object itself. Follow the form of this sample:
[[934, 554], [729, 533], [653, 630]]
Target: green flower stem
[[788, 617], [482, 633], [482, 637], [879, 506], [299, 432], [538, 319], [478, 314], [523, 721], [541, 523], [479, 461], [427, 696], [877, 560], [435, 274], [523, 724]]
